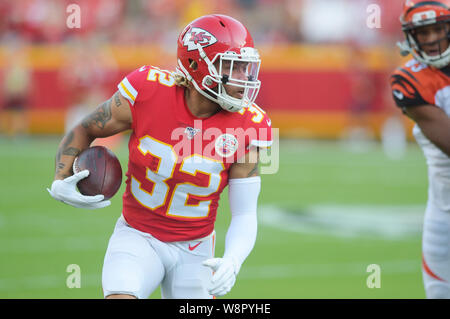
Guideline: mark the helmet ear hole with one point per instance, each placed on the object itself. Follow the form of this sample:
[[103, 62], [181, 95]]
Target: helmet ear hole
[[193, 64]]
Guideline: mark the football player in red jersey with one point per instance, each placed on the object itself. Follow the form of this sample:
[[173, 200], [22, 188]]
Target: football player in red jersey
[[165, 235], [421, 88]]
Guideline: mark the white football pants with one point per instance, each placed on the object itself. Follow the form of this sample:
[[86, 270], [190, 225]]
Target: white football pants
[[136, 263], [436, 236]]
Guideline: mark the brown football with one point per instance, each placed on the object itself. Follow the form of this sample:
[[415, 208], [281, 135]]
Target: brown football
[[105, 172]]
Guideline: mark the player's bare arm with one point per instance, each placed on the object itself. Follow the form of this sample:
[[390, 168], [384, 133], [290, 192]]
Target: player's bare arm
[[248, 168], [434, 123], [111, 117]]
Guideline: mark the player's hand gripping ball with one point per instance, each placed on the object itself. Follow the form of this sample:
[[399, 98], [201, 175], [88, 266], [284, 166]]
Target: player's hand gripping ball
[[105, 172]]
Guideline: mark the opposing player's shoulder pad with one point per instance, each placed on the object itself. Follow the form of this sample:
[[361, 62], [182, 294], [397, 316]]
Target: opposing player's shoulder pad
[[408, 86], [257, 120], [130, 86]]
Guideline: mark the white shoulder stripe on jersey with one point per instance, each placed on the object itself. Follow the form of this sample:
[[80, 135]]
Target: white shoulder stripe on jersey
[[127, 90]]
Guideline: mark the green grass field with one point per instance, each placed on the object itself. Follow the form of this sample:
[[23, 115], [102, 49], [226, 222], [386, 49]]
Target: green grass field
[[324, 218]]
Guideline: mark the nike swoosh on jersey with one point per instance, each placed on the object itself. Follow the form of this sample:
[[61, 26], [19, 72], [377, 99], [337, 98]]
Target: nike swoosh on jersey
[[195, 246]]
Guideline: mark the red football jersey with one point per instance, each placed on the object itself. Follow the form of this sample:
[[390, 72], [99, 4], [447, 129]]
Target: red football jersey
[[178, 163]]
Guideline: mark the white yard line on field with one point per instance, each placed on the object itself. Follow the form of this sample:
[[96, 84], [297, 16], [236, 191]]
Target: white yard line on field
[[328, 269], [375, 221], [40, 282]]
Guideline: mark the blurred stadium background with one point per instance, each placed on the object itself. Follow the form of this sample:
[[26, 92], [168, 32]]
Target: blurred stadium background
[[351, 187]]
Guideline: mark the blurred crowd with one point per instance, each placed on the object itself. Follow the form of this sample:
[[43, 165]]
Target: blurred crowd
[[26, 23], [160, 21]]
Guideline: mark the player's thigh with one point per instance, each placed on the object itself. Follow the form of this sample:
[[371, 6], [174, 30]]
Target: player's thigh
[[131, 265], [436, 253], [189, 278]]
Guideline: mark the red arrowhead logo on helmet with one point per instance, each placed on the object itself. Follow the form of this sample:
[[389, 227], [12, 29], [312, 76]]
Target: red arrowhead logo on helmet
[[198, 36]]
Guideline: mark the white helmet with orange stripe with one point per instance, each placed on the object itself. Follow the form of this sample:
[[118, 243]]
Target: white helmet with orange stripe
[[417, 15]]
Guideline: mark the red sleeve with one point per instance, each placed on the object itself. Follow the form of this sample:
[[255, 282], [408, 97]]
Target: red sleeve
[[130, 86]]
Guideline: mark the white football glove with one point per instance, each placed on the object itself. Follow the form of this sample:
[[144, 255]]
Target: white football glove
[[225, 272], [66, 191]]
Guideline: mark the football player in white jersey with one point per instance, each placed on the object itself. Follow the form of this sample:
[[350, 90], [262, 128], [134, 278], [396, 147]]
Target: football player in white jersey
[[421, 88]]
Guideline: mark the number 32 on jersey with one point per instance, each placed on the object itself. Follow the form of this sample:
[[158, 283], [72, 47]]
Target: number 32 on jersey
[[158, 196]]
